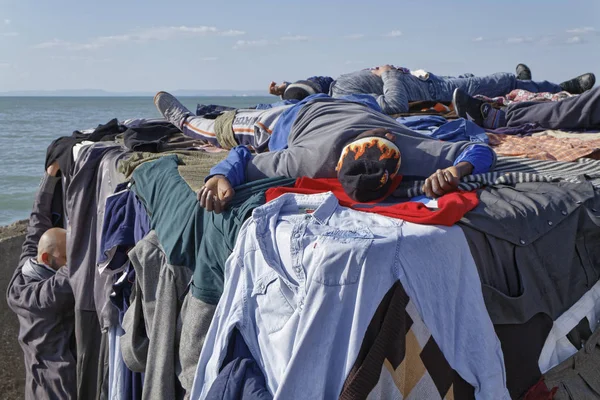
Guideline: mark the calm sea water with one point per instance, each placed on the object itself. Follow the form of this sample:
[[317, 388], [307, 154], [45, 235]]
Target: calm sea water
[[29, 124]]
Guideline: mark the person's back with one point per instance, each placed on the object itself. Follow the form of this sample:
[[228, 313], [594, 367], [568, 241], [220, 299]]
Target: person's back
[[44, 304], [41, 296], [325, 125]]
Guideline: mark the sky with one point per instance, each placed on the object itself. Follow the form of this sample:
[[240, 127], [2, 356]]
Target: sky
[[153, 45]]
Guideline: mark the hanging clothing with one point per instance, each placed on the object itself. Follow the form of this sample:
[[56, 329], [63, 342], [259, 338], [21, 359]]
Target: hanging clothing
[[514, 235], [572, 329], [190, 235], [43, 301], [152, 334], [299, 287], [95, 168]]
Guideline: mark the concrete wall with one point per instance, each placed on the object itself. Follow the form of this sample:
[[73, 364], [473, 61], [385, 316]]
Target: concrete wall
[[12, 370]]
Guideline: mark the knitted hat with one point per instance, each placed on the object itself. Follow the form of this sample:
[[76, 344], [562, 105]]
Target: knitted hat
[[367, 167], [300, 90]]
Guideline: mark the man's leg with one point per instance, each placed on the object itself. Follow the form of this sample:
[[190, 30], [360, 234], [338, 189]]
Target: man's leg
[[493, 85], [579, 112], [248, 127], [538, 87]]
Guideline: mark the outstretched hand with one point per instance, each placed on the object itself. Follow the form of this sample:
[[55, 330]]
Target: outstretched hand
[[215, 194], [380, 70], [53, 169], [446, 180], [277, 90]]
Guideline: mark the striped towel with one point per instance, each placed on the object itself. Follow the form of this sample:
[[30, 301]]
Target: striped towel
[[512, 170]]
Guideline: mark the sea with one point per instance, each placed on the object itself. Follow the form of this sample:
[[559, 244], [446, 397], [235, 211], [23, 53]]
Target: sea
[[29, 124]]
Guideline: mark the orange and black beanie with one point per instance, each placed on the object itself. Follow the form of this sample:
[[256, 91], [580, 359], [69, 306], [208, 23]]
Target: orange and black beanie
[[367, 167]]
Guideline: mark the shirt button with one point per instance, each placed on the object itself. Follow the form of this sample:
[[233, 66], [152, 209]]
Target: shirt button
[[297, 235], [593, 210], [522, 241], [550, 223], [578, 202], [563, 212]]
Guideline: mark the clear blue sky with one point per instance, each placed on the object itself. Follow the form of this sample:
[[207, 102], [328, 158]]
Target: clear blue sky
[[167, 45]]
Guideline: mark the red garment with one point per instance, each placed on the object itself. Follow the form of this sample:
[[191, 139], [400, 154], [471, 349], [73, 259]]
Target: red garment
[[540, 391], [451, 207]]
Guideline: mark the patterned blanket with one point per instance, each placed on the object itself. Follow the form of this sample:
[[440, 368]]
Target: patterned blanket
[[545, 147]]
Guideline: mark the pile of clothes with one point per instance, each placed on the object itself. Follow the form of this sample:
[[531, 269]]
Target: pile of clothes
[[298, 291]]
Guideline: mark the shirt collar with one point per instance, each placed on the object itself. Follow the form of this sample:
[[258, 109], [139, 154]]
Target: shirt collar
[[319, 206], [39, 271]]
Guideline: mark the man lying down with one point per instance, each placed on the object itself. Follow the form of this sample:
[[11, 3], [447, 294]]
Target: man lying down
[[324, 137]]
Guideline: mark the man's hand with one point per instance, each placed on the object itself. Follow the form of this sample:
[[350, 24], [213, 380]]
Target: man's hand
[[446, 180], [380, 70], [277, 90], [53, 169], [215, 194]]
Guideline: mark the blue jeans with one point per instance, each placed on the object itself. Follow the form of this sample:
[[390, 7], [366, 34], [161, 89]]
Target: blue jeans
[[498, 84]]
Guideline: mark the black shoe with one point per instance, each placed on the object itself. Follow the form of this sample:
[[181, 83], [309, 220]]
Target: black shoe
[[580, 84], [523, 72], [470, 108]]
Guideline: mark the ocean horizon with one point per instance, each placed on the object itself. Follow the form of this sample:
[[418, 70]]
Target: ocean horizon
[[28, 124]]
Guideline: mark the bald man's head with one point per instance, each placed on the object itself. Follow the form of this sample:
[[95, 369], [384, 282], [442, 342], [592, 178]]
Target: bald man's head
[[52, 248]]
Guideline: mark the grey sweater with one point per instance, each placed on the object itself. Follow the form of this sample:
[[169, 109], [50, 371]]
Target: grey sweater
[[323, 127]]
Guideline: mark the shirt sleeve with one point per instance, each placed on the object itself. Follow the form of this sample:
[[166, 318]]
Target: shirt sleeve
[[40, 219], [323, 81], [234, 166], [481, 157]]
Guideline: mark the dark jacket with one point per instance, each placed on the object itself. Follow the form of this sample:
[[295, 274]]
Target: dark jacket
[[43, 301]]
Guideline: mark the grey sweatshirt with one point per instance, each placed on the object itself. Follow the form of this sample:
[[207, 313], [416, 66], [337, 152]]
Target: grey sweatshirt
[[321, 130]]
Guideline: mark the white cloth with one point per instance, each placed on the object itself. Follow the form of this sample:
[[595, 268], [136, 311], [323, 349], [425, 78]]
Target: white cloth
[[557, 347]]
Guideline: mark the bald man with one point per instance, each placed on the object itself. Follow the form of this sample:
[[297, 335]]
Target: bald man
[[40, 294]]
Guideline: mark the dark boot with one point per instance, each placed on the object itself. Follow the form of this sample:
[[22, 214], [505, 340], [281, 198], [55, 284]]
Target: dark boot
[[580, 84], [523, 72]]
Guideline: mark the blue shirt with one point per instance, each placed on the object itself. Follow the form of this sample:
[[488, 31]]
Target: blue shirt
[[307, 275]]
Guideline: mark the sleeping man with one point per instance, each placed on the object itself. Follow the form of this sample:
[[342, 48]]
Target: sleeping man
[[349, 138]]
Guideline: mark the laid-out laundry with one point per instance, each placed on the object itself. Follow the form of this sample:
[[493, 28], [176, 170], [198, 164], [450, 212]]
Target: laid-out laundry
[[440, 128], [545, 147], [520, 95], [323, 272], [305, 302]]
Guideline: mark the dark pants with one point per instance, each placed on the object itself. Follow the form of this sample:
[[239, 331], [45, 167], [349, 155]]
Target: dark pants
[[579, 112]]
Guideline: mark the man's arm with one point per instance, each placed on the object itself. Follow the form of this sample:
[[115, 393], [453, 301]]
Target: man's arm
[[241, 166], [40, 219], [475, 159], [394, 99], [323, 81]]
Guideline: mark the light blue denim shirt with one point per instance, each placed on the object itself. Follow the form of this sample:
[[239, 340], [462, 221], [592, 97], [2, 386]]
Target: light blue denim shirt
[[302, 296]]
